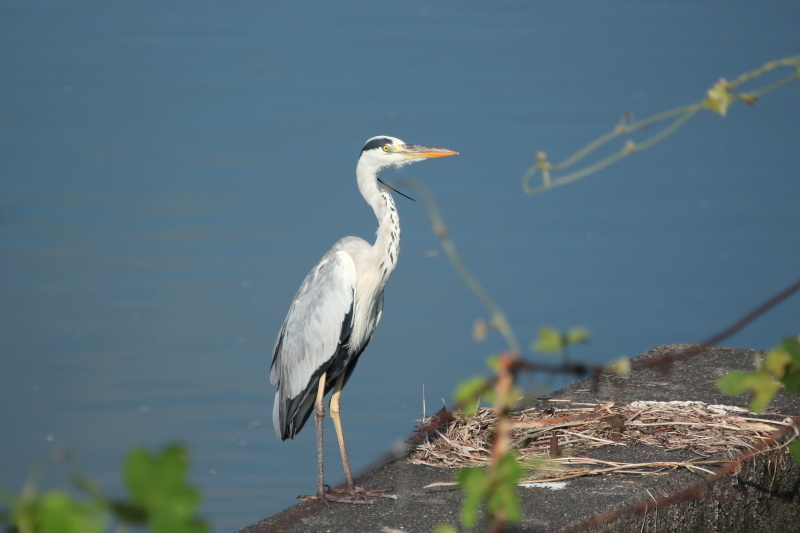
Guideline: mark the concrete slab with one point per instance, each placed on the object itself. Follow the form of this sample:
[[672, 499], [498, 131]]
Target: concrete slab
[[762, 496]]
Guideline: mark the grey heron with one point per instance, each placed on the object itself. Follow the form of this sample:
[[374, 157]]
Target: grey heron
[[335, 312]]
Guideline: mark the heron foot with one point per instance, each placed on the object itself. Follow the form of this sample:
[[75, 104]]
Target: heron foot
[[357, 492], [338, 496], [355, 495]]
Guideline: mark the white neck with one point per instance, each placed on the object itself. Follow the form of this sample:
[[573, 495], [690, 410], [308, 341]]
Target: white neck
[[387, 242]]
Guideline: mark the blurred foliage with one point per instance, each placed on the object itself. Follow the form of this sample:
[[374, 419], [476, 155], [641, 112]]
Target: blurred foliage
[[160, 498], [56, 511], [718, 99], [554, 342], [620, 366], [779, 368], [496, 486], [470, 392], [794, 449], [157, 484], [498, 491]]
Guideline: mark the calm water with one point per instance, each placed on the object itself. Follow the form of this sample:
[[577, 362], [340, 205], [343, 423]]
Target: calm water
[[171, 170]]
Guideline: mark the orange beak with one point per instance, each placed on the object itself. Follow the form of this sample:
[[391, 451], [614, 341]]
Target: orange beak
[[412, 150]]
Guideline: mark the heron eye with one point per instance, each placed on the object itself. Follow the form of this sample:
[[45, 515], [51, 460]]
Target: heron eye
[[385, 147]]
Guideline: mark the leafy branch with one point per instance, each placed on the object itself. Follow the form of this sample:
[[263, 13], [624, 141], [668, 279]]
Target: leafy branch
[[160, 498], [496, 486], [718, 99], [779, 368]]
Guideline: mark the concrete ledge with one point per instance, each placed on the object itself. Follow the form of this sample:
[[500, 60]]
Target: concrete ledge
[[762, 496]]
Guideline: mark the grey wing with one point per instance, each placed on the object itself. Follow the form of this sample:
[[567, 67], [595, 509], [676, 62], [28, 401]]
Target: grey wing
[[318, 321]]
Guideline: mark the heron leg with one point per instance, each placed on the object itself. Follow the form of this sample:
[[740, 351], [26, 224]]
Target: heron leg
[[323, 495], [337, 424], [351, 487], [319, 418]]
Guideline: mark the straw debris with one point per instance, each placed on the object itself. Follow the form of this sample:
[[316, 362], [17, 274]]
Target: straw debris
[[561, 433]]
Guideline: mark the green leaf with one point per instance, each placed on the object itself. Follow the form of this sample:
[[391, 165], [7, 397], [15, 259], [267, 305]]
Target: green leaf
[[468, 393], [792, 347], [549, 341], [794, 449], [172, 519], [443, 527], [57, 512], [777, 362], [764, 389], [474, 483], [152, 479], [158, 484], [578, 335], [505, 497], [509, 470], [791, 380], [621, 366], [763, 385], [719, 98], [733, 383]]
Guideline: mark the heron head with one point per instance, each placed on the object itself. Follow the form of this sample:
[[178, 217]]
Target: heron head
[[383, 151]]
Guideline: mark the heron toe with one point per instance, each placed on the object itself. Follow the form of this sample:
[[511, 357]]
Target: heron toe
[[366, 493]]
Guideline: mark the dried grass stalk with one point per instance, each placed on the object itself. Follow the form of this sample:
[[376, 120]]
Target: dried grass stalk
[[694, 426]]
